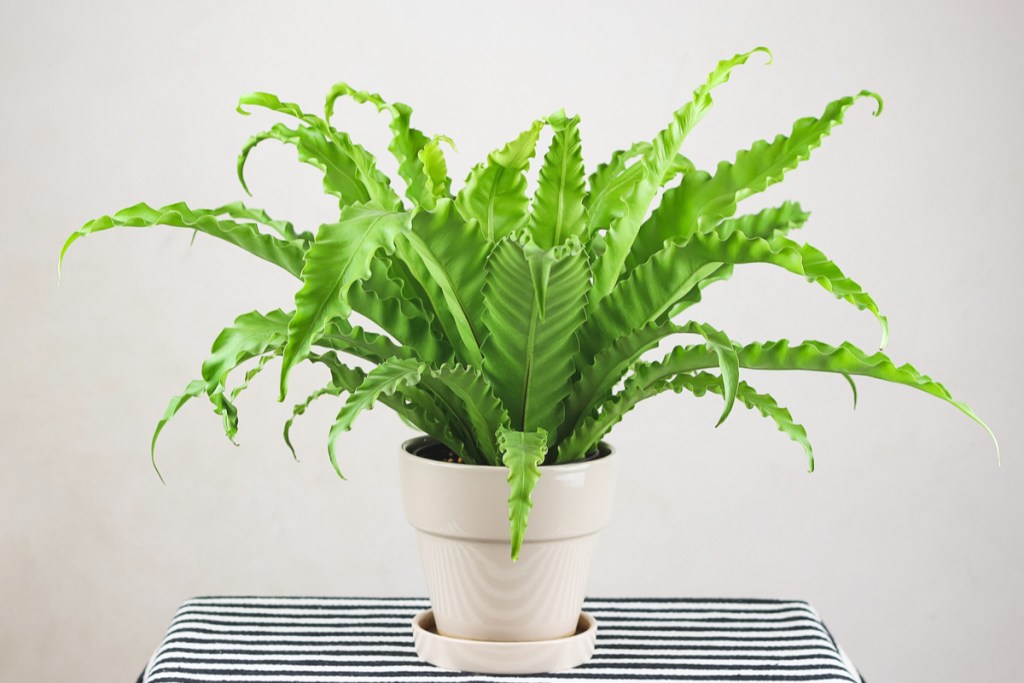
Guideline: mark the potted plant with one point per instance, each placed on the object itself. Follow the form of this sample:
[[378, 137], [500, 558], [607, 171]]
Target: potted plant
[[513, 328]]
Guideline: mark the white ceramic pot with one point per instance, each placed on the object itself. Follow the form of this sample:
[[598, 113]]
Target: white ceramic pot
[[460, 513]]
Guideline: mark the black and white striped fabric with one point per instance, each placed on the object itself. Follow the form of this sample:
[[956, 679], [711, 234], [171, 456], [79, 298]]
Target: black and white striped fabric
[[369, 640]]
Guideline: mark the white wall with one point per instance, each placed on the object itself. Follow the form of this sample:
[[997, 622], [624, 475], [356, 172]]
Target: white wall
[[907, 539]]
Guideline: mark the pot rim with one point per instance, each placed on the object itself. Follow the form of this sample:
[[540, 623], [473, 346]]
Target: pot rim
[[604, 451]]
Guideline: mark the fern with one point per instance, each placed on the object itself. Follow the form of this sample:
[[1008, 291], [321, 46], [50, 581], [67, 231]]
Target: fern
[[513, 328]]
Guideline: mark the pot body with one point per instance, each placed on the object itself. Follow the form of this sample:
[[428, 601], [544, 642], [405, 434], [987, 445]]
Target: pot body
[[460, 513]]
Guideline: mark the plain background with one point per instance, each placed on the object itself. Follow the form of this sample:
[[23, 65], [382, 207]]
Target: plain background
[[908, 537]]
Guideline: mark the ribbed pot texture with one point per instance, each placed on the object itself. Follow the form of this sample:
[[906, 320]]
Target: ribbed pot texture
[[460, 513]]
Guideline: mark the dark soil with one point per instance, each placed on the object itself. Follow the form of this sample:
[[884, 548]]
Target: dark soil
[[441, 453]]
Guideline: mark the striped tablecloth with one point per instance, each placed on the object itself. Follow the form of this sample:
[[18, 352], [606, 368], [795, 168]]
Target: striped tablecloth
[[369, 640]]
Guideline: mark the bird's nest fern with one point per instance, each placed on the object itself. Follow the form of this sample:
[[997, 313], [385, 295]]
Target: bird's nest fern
[[513, 326]]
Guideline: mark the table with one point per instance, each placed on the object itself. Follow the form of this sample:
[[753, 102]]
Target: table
[[369, 640]]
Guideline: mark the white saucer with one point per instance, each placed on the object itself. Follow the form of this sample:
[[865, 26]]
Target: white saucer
[[487, 657]]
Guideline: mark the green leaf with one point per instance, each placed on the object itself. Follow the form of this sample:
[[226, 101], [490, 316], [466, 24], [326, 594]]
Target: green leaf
[[390, 303], [300, 409], [245, 235], [522, 454], [495, 191], [414, 406], [407, 145], [694, 296], [456, 255], [436, 168], [338, 145], [342, 336], [341, 175], [558, 211], [528, 355], [262, 336], [640, 183], [586, 435], [431, 414], [195, 388], [728, 361], [468, 398], [284, 228], [650, 379], [853, 388], [765, 164], [702, 200], [251, 335], [384, 380], [800, 259], [454, 393], [767, 224], [815, 356], [461, 247], [251, 373], [445, 256], [608, 187], [338, 259], [703, 382], [654, 290], [343, 378], [647, 296], [680, 165], [610, 363]]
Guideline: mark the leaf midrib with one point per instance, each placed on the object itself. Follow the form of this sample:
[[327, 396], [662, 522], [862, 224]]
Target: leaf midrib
[[449, 286], [559, 218], [336, 287], [531, 338], [492, 199]]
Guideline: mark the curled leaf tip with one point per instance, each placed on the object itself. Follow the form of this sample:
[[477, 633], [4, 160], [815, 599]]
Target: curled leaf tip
[[762, 48], [257, 98], [447, 140], [876, 97], [885, 332]]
